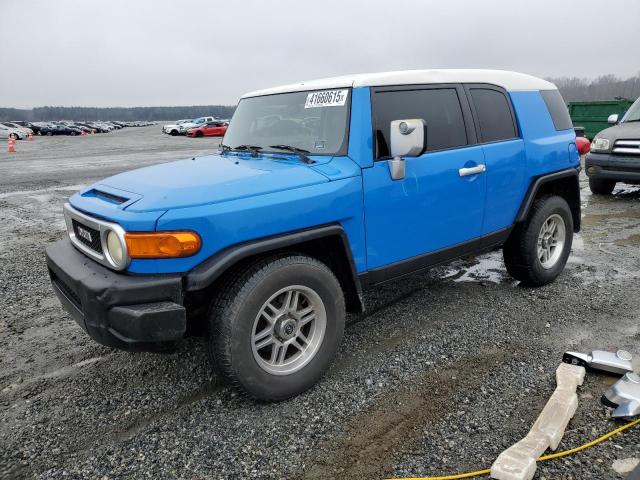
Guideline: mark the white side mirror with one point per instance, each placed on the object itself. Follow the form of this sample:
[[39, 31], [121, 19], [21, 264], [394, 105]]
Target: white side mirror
[[408, 139], [613, 119]]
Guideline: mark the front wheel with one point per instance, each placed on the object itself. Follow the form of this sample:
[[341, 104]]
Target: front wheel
[[538, 249], [274, 329], [600, 186]]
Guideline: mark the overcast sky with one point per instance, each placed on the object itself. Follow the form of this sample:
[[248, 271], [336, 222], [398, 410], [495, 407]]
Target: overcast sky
[[196, 52]]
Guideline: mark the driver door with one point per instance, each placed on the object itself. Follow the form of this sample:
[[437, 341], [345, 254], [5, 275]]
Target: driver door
[[439, 204]]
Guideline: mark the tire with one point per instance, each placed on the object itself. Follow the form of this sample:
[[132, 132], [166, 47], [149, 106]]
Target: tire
[[73, 134], [199, 134], [237, 313], [174, 133], [601, 186], [49, 134], [522, 256]]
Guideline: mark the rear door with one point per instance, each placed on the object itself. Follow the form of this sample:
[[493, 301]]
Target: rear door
[[504, 154], [437, 205]]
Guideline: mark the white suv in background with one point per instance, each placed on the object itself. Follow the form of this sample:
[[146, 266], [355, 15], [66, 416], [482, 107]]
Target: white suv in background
[[175, 128], [181, 127]]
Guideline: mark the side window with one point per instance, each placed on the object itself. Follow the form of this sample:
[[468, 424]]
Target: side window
[[493, 114], [557, 109], [439, 107]]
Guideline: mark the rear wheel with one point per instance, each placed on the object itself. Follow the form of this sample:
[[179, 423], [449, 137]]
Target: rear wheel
[[174, 133], [601, 186], [275, 328], [538, 249]]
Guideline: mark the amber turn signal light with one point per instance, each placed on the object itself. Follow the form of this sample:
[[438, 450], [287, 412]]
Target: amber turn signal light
[[162, 244]]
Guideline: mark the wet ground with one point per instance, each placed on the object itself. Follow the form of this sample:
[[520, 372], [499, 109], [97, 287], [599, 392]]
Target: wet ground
[[444, 371]]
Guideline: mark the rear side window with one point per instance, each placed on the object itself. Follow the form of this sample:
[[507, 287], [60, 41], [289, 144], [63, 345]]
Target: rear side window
[[494, 115], [439, 108], [557, 109]]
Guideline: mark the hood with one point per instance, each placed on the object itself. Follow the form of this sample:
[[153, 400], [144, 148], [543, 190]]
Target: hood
[[626, 131], [211, 179]]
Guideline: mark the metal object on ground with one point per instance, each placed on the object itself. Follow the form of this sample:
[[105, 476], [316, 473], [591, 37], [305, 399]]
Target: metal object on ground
[[635, 475], [518, 462], [624, 396], [618, 362]]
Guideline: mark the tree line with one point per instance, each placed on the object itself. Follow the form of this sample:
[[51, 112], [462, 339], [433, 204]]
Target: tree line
[[573, 89], [606, 87], [124, 114]]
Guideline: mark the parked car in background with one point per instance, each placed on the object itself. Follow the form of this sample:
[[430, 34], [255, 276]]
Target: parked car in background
[[60, 130], [264, 246], [211, 129], [34, 127], [27, 131], [196, 122], [176, 128], [7, 132], [615, 153]]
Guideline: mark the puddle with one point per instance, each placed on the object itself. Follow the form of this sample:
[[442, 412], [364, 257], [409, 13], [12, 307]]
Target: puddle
[[487, 268]]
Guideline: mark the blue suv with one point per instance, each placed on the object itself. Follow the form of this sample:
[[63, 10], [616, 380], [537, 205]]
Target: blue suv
[[319, 191]]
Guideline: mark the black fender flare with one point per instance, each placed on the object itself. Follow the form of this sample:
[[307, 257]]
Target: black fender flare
[[568, 177], [207, 272]]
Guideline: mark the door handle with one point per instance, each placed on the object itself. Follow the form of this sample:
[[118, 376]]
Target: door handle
[[465, 172]]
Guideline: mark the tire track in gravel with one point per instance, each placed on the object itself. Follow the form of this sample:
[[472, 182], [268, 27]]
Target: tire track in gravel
[[389, 428]]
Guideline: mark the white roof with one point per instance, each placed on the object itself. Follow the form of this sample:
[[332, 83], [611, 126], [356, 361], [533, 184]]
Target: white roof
[[511, 81]]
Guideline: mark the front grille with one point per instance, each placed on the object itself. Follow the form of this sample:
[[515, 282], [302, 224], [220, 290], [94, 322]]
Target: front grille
[[87, 236], [627, 147]]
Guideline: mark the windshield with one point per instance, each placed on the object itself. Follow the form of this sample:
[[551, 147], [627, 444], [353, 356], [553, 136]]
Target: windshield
[[314, 121], [633, 114]]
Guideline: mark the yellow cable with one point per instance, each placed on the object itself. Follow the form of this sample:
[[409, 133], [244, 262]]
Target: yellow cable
[[564, 453]]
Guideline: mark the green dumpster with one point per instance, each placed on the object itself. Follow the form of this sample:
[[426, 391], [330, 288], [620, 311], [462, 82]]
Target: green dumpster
[[592, 116]]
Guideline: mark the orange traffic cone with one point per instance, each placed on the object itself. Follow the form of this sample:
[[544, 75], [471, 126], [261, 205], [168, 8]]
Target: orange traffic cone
[[30, 137], [12, 146]]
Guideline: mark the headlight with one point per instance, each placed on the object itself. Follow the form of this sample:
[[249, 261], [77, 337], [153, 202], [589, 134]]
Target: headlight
[[600, 144], [115, 249]]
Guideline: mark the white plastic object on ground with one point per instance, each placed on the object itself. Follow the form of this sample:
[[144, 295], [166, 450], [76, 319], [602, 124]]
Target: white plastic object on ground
[[518, 462]]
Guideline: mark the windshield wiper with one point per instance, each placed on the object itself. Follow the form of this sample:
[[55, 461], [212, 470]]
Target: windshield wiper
[[298, 151], [253, 149]]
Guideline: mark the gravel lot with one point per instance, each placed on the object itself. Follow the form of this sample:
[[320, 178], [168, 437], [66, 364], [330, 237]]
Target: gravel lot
[[442, 373]]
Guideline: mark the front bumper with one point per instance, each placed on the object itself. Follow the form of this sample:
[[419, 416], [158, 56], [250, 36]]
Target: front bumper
[[613, 167], [142, 313]]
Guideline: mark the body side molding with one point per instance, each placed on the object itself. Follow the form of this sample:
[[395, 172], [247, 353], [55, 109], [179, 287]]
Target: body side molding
[[422, 262]]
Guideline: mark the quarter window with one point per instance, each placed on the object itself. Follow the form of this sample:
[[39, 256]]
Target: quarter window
[[493, 114], [557, 109], [439, 108]]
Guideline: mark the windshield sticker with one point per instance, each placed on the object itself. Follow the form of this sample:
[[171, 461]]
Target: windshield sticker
[[327, 98]]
